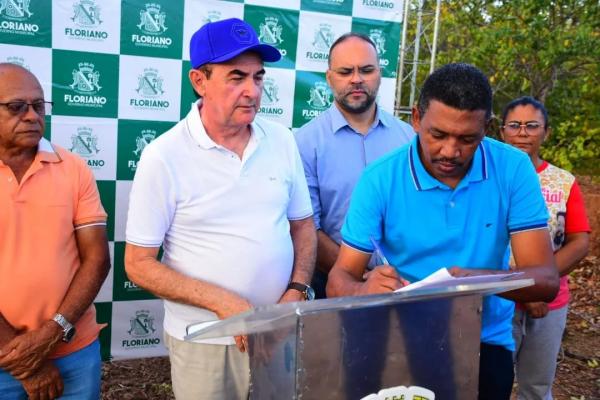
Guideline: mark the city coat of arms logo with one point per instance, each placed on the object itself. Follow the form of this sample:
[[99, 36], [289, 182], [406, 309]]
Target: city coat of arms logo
[[141, 324], [320, 96], [15, 9], [84, 143], [86, 13], [270, 31], [323, 37], [270, 92], [147, 135], [152, 20], [18, 61], [211, 16], [85, 79], [150, 83], [402, 392], [378, 37]]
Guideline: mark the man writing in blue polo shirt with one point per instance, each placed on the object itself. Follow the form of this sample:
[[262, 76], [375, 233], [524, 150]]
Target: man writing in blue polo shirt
[[451, 198]]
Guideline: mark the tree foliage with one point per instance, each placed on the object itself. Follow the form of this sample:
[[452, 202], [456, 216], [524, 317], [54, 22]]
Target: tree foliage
[[543, 48]]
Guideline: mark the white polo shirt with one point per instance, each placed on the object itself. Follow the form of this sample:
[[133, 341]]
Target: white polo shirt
[[220, 219]]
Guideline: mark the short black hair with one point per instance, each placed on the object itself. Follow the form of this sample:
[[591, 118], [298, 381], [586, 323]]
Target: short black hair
[[459, 85], [526, 101], [347, 36]]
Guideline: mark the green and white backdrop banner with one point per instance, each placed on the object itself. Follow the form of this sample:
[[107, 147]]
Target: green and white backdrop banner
[[117, 73]]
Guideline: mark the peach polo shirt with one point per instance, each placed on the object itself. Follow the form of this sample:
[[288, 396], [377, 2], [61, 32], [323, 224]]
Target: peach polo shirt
[[38, 251]]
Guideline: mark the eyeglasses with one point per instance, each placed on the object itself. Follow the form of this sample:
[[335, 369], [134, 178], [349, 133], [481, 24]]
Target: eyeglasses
[[532, 128], [41, 107]]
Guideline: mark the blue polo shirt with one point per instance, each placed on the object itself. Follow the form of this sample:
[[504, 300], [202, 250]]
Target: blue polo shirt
[[424, 225]]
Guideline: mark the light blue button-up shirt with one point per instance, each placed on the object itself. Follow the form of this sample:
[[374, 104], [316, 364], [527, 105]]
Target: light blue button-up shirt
[[423, 225], [334, 156]]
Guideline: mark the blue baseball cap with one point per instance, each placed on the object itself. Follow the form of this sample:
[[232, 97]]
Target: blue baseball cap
[[217, 42]]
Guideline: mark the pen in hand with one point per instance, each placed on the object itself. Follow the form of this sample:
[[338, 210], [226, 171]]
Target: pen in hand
[[379, 252]]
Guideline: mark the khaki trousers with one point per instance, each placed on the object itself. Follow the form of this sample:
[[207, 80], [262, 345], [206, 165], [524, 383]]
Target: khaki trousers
[[207, 371]]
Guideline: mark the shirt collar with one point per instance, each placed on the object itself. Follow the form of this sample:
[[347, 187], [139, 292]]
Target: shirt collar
[[383, 118], [424, 181], [338, 121], [198, 133], [46, 152], [542, 166]]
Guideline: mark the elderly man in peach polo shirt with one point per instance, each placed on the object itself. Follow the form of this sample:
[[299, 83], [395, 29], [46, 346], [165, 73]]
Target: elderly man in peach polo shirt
[[53, 254]]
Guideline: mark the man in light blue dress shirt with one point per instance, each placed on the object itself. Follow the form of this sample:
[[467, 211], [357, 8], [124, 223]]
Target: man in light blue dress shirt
[[336, 146]]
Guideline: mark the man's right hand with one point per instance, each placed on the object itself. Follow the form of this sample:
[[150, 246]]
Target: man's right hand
[[231, 305], [25, 353], [45, 384], [381, 279]]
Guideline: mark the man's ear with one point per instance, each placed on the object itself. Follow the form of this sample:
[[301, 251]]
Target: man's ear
[[198, 81], [415, 119]]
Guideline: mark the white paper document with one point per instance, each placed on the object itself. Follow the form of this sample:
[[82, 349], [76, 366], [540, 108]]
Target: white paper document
[[442, 278], [193, 328]]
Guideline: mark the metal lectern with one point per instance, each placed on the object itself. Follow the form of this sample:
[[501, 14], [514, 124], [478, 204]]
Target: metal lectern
[[420, 344]]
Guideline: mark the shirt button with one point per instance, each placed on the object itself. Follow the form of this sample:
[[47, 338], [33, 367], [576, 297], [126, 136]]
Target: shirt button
[[452, 204], [10, 179]]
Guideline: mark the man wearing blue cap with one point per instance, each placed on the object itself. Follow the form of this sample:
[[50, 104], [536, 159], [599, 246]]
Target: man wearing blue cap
[[224, 193]]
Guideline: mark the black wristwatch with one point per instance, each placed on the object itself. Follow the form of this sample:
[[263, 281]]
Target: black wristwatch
[[307, 291], [67, 327]]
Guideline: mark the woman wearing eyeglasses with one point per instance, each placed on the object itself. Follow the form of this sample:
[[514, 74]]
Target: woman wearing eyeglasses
[[538, 327]]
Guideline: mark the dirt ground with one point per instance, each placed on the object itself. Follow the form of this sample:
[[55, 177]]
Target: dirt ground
[[578, 372]]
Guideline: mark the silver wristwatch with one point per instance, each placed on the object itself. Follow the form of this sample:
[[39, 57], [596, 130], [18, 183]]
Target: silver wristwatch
[[67, 327]]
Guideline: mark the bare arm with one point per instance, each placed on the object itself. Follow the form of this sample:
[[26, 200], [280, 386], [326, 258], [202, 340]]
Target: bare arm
[[566, 258], [533, 255], [574, 250], [346, 276], [26, 352], [304, 239], [327, 252], [95, 264], [146, 271]]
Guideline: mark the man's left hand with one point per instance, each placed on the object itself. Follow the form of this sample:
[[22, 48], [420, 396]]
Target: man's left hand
[[25, 353], [291, 295]]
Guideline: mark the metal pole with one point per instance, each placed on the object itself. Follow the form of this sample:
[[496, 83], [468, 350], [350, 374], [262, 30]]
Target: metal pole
[[403, 48], [436, 28], [413, 81]]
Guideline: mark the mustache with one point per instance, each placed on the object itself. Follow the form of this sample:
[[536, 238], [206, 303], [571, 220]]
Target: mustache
[[356, 87], [445, 160]]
